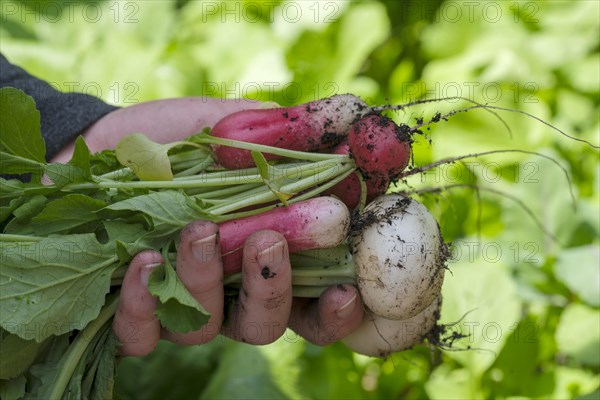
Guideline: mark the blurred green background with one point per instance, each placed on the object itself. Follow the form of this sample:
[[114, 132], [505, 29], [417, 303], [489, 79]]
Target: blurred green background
[[524, 281]]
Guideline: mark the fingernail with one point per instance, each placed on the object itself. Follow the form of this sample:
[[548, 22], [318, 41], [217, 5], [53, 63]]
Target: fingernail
[[205, 249], [270, 259], [145, 272], [347, 309]]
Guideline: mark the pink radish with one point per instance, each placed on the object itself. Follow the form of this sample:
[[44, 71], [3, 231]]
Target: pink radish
[[320, 222], [314, 126]]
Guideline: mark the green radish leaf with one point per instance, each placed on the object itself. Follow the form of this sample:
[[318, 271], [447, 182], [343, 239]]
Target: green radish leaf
[[99, 385], [128, 238], [81, 158], [93, 377], [65, 213], [8, 186], [76, 170], [104, 162], [13, 389], [54, 285], [148, 160], [20, 133], [62, 174], [16, 354], [270, 176], [7, 211], [169, 210], [44, 372], [177, 311], [31, 208], [12, 164], [14, 188], [23, 214]]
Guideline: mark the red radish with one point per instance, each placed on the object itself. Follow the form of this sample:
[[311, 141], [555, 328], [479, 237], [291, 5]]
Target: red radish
[[314, 126], [320, 222], [379, 146], [349, 189]]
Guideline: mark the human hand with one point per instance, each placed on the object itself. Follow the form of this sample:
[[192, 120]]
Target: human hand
[[265, 307], [163, 121], [260, 315]]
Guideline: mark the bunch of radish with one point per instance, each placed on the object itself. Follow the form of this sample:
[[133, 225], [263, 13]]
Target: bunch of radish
[[392, 249], [317, 173]]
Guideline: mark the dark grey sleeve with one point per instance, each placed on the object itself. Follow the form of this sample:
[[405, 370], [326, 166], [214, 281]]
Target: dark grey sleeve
[[63, 115]]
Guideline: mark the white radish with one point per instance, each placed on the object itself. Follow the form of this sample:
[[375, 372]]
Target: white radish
[[379, 337], [399, 256]]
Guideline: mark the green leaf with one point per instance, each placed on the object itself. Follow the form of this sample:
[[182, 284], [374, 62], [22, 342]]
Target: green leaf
[[31, 208], [12, 164], [578, 334], [446, 384], [169, 210], [177, 311], [487, 316], [129, 238], [53, 286], [21, 223], [81, 158], [569, 383], [13, 389], [578, 269], [104, 378], [192, 367], [148, 160], [93, 377], [520, 362], [7, 211], [362, 29], [45, 370], [100, 385], [16, 354], [76, 170], [104, 162], [62, 174], [14, 188], [20, 133], [247, 372], [66, 213], [8, 186]]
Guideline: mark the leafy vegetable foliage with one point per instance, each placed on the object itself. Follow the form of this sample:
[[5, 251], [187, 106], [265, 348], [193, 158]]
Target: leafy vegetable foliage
[[537, 56], [65, 245]]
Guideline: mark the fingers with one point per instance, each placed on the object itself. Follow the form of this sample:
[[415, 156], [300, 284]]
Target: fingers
[[337, 313], [135, 324], [261, 313], [199, 268]]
